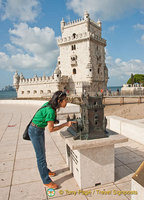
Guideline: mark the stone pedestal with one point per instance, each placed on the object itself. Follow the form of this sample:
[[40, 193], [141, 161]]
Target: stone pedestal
[[91, 161]]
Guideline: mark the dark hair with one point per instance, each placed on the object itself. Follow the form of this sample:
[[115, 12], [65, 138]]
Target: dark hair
[[59, 95]]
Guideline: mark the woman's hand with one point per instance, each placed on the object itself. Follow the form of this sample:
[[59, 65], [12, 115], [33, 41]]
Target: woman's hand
[[69, 123]]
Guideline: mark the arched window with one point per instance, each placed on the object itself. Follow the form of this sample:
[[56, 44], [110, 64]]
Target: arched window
[[73, 47], [22, 92], [34, 91], [41, 91], [74, 71], [28, 92], [74, 35]]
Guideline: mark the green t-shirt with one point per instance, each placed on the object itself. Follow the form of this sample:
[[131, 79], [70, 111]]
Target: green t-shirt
[[43, 116]]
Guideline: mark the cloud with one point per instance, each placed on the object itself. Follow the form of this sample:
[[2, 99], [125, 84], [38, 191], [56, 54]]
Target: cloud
[[121, 70], [12, 49], [35, 40], [139, 26], [106, 9], [142, 12], [32, 48], [142, 39], [21, 10], [112, 28]]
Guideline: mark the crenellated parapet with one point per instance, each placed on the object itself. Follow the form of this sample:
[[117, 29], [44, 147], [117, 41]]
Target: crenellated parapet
[[80, 21], [79, 37], [74, 22], [38, 80]]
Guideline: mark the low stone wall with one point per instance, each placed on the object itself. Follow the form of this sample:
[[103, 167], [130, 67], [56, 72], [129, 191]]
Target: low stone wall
[[69, 109], [133, 129], [119, 100]]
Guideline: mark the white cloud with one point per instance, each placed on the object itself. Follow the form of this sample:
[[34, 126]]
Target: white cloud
[[142, 39], [139, 26], [32, 48], [35, 40], [12, 49], [22, 10], [105, 9], [121, 70], [112, 28]]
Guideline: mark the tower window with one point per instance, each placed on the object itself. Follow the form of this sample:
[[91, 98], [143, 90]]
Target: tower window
[[73, 58], [98, 70], [74, 71], [74, 35], [73, 47]]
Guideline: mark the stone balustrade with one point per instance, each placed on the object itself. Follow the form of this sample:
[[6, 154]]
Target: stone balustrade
[[81, 36]]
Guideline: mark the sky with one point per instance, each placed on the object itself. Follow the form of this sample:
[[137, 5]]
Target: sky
[[29, 30]]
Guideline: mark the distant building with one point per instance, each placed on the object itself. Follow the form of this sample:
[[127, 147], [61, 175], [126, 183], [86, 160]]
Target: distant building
[[135, 89], [80, 65]]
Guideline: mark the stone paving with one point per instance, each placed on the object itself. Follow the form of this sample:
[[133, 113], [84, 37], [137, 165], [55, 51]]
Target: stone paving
[[19, 176]]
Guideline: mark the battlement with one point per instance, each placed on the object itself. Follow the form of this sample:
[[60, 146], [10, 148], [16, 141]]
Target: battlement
[[41, 80], [81, 36], [75, 22], [37, 80], [80, 21]]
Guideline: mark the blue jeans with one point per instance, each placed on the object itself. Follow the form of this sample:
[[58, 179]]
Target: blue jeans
[[37, 137]]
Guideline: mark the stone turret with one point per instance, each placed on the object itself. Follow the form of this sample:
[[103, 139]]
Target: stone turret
[[99, 23], [21, 77], [16, 80], [62, 25], [86, 15], [57, 74]]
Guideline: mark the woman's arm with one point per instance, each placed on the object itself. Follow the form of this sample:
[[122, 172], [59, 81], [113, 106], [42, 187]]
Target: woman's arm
[[53, 128]]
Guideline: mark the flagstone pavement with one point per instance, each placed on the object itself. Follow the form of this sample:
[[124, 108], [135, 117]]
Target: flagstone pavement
[[19, 176]]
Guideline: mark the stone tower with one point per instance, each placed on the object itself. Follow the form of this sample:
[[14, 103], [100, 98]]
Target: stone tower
[[80, 66], [16, 79], [82, 56]]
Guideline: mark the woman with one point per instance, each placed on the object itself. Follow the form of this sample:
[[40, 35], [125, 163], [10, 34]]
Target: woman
[[43, 117]]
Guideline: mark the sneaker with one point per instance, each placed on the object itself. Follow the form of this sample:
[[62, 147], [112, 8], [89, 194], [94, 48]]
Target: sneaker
[[51, 185], [52, 173]]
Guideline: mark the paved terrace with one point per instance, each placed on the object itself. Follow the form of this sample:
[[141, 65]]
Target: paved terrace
[[19, 177]]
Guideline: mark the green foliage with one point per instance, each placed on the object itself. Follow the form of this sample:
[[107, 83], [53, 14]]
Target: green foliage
[[137, 78]]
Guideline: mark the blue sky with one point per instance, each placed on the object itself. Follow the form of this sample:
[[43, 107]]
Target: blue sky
[[29, 30]]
